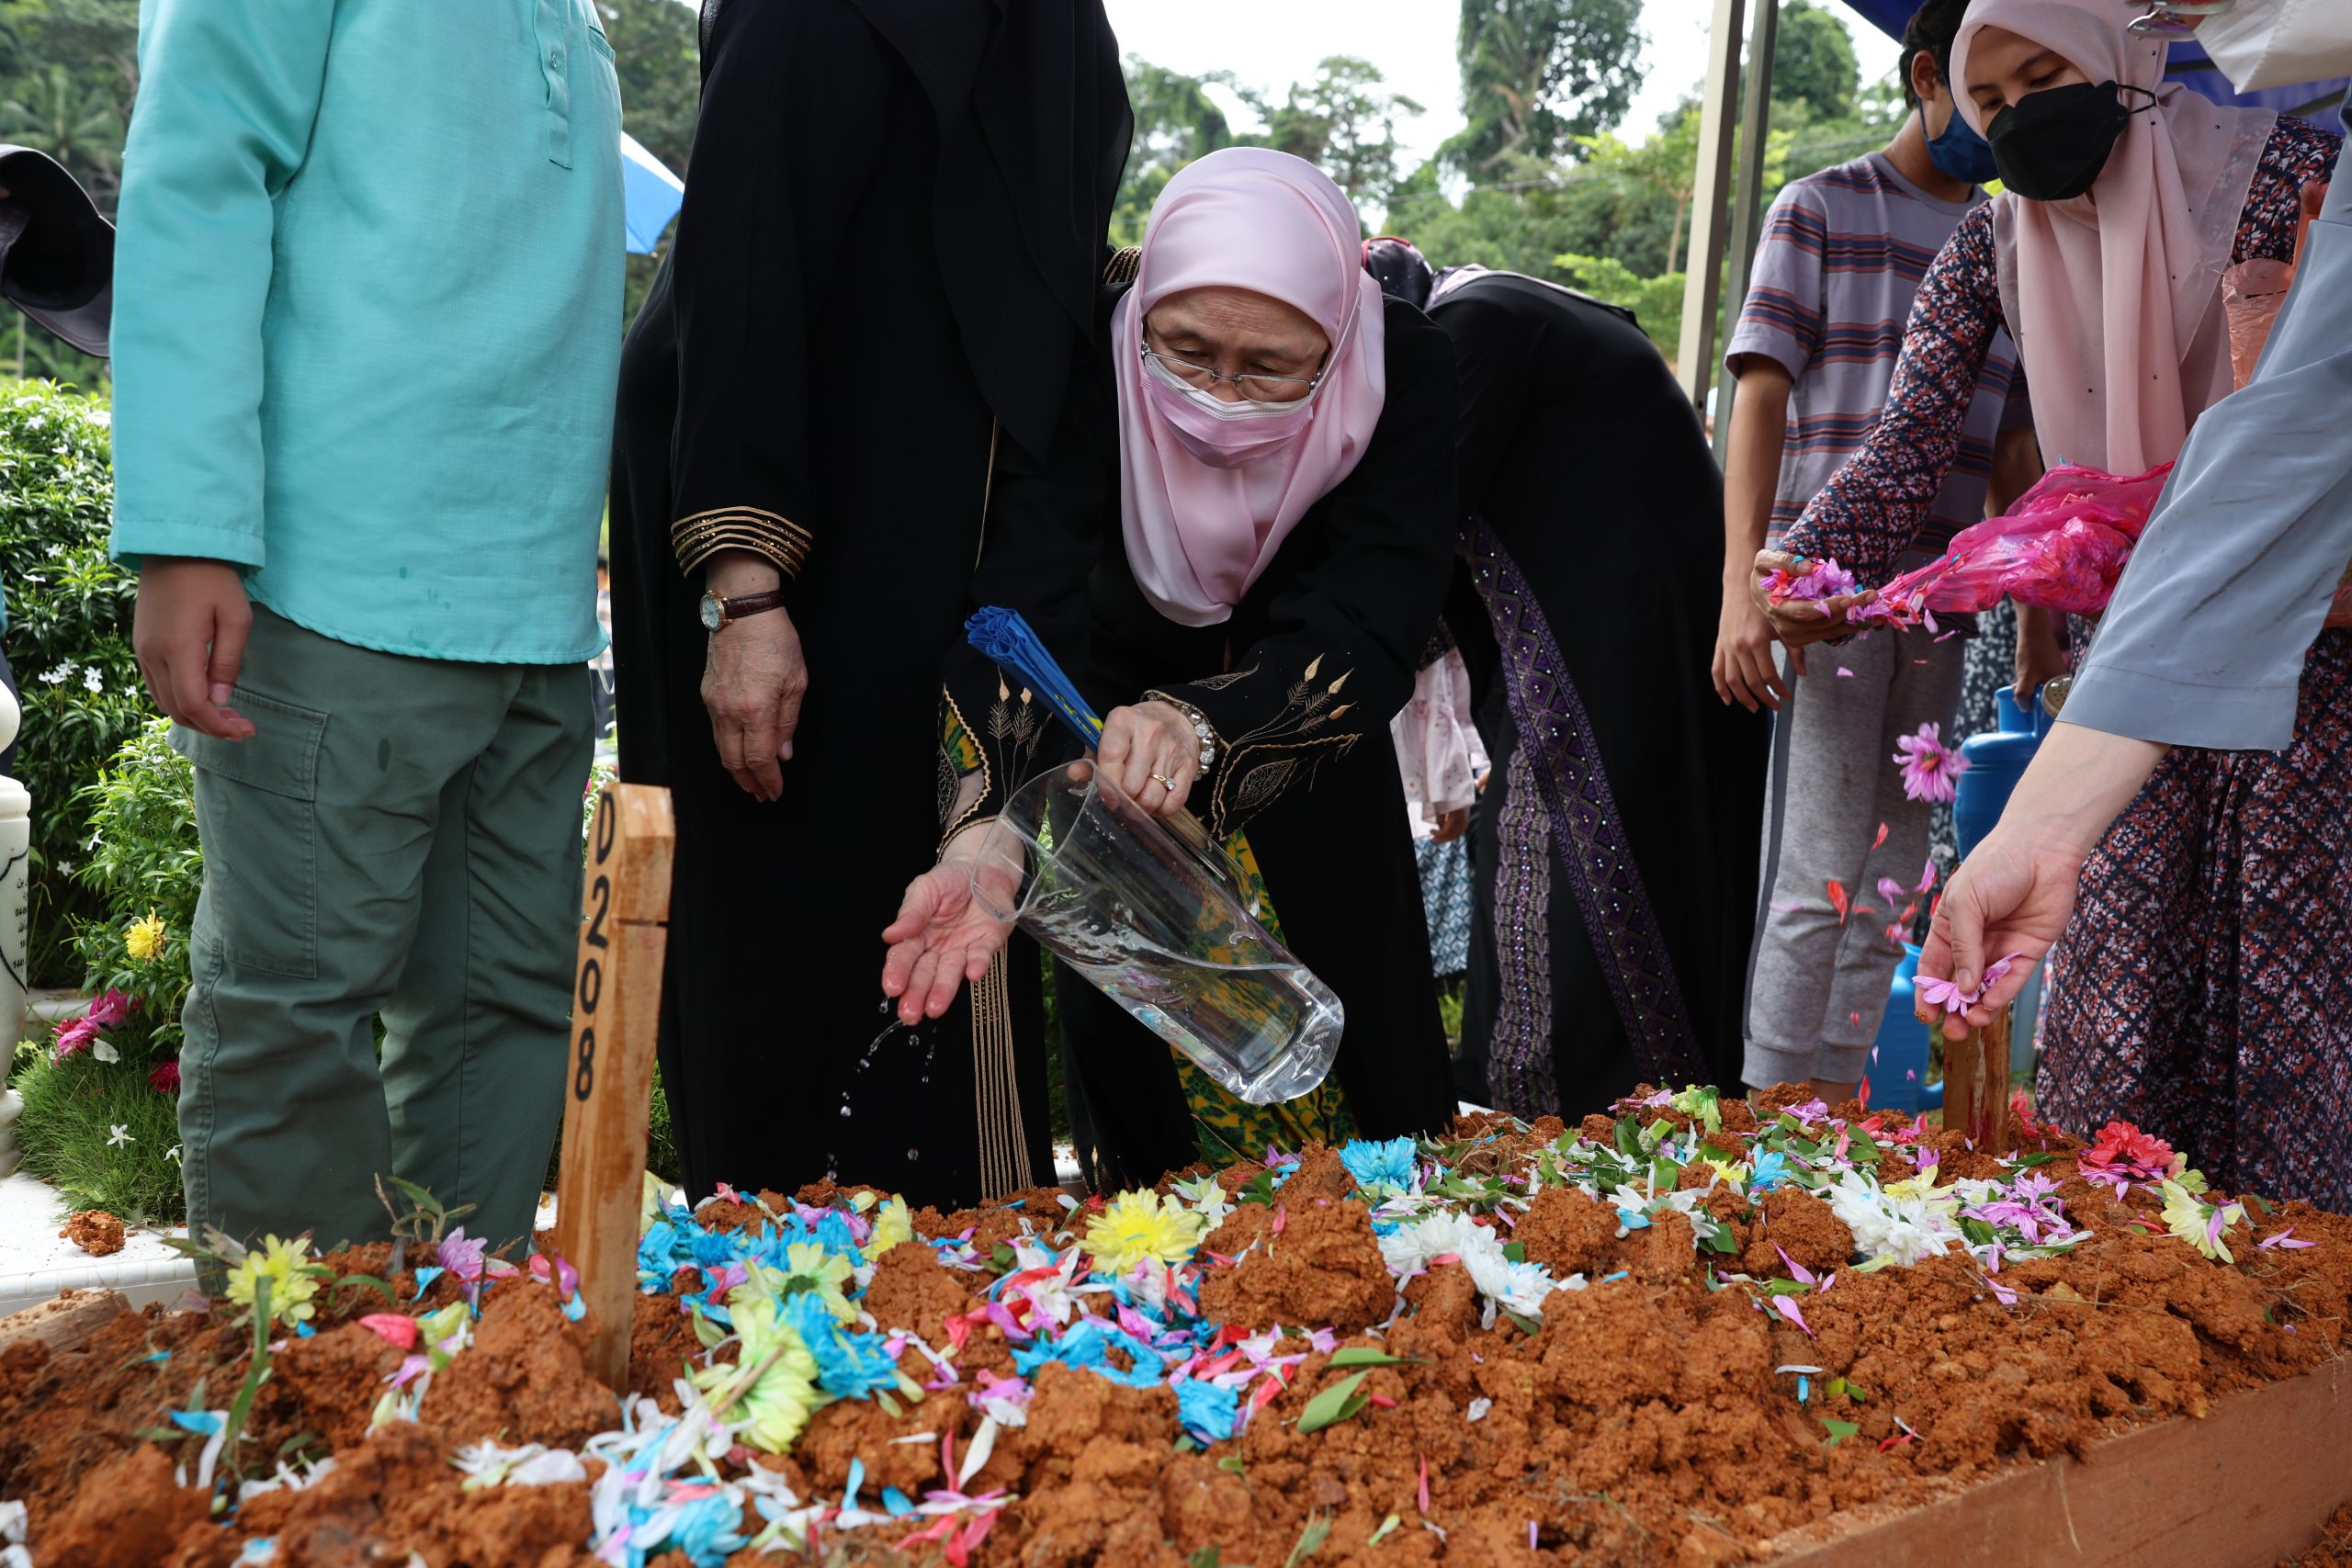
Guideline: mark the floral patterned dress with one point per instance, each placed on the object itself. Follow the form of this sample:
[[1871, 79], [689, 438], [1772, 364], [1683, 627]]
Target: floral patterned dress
[[2201, 989]]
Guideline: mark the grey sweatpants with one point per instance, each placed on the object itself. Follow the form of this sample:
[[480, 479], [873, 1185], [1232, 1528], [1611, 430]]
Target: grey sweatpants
[[1817, 987]]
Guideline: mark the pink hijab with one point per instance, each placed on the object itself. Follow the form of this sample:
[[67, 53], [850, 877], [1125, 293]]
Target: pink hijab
[[1245, 217], [2114, 298]]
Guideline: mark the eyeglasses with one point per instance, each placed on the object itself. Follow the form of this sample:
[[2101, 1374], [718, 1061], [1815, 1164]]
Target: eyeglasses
[[1256, 387], [2175, 17]]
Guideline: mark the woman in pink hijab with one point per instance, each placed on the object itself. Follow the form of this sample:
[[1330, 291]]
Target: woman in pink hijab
[[2201, 985], [1283, 541]]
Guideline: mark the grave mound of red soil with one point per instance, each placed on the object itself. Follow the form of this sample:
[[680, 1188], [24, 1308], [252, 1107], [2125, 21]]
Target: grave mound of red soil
[[1664, 1338]]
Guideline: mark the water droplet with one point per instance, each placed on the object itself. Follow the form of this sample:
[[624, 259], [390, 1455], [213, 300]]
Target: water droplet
[[914, 1154], [844, 1110], [885, 1007], [926, 1077]]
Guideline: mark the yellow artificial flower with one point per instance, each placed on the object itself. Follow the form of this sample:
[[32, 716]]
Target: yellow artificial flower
[[1139, 1226], [773, 1382], [1920, 1186], [892, 1224], [145, 938], [808, 1266], [286, 1265], [1730, 1170], [2199, 1224]]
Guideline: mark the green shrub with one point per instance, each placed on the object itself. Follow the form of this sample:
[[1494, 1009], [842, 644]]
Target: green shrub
[[146, 867], [71, 1109], [68, 640]]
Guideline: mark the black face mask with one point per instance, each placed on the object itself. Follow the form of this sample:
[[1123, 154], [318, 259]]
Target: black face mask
[[2052, 145]]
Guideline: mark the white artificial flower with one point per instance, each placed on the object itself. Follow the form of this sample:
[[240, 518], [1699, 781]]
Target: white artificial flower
[[1205, 1198], [1517, 1287], [120, 1135], [1906, 1229]]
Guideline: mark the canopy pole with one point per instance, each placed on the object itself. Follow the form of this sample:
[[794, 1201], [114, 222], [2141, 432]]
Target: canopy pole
[[1702, 288], [1748, 213]]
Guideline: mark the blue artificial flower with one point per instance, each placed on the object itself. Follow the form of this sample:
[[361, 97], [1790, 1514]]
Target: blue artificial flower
[[835, 1232], [708, 1531], [1206, 1411], [851, 1362], [1087, 1343], [1771, 1168], [896, 1503], [1386, 1164]]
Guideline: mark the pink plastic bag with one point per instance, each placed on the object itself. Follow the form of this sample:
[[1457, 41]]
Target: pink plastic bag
[[2060, 548]]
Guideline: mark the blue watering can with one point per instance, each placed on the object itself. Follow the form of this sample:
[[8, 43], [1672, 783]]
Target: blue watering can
[[1898, 1069], [1996, 759]]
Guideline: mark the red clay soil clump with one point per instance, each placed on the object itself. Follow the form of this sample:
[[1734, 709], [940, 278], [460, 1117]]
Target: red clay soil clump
[[95, 1231], [1645, 1421]]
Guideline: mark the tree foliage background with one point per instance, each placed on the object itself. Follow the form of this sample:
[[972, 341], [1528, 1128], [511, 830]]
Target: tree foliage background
[[1535, 179]]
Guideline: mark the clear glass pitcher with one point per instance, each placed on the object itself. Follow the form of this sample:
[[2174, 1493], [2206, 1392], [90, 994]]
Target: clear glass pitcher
[[1159, 921]]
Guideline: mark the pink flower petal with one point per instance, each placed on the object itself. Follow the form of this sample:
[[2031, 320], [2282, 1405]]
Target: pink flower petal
[[396, 1328], [1787, 1307]]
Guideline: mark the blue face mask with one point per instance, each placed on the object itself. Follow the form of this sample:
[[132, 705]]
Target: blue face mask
[[1960, 151]]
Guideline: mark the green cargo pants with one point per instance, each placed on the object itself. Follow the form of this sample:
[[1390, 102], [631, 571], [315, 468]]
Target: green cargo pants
[[399, 839]]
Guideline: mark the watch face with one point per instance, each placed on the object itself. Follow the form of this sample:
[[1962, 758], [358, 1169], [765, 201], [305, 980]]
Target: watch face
[[714, 616]]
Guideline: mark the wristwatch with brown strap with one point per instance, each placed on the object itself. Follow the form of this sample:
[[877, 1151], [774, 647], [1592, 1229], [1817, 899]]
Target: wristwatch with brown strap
[[719, 614]]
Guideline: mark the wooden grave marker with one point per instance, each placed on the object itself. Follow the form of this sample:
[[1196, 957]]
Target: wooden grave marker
[[1976, 1086], [608, 1088]]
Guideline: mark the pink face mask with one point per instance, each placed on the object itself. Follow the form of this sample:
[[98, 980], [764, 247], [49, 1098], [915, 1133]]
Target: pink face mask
[[1223, 435]]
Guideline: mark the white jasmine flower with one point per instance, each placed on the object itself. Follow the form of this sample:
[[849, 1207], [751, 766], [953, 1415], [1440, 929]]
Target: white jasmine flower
[[120, 1135], [93, 680], [58, 676]]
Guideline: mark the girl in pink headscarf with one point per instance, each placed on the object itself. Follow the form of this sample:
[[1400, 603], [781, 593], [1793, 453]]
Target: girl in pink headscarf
[[1285, 537], [2202, 984]]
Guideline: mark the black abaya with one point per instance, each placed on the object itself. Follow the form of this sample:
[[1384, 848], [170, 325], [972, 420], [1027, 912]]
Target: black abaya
[[1300, 684], [870, 357], [1616, 845]]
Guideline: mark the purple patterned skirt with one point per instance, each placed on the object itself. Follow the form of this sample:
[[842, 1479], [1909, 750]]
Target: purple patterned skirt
[[2204, 987]]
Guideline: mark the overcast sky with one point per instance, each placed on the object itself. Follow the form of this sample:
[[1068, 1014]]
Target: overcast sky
[[1271, 43]]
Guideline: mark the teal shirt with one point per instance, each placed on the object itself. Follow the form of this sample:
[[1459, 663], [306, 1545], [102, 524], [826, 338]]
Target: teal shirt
[[368, 313]]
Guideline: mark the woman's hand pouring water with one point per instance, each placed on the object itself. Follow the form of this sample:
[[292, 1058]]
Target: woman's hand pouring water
[[1151, 755], [944, 936]]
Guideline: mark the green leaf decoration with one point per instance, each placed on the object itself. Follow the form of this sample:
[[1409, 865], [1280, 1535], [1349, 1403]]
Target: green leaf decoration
[[1233, 1462], [1311, 1539], [369, 1283], [1336, 1404], [1839, 1431], [1365, 1355]]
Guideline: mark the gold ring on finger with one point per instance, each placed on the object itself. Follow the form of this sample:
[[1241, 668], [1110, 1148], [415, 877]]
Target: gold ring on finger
[[1164, 781]]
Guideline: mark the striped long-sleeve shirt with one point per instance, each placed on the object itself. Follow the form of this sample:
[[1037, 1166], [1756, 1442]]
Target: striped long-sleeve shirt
[[1842, 254]]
